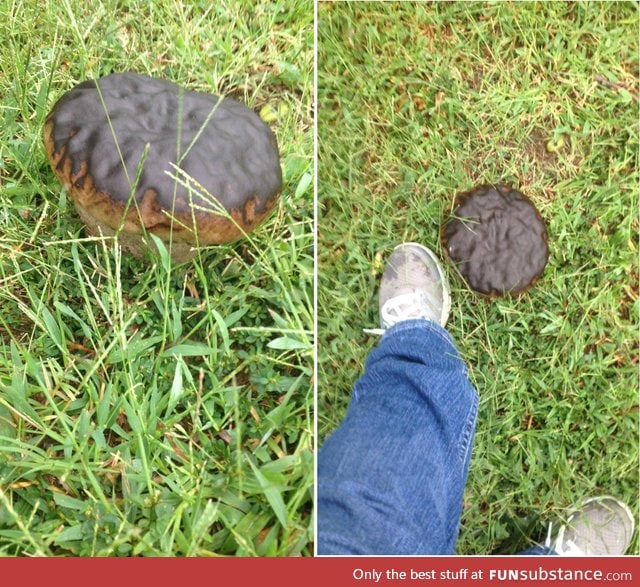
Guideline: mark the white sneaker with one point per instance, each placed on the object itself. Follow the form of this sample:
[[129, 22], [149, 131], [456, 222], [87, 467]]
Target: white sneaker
[[413, 286], [598, 526]]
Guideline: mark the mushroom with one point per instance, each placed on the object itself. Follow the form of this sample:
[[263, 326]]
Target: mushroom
[[142, 154], [496, 239]]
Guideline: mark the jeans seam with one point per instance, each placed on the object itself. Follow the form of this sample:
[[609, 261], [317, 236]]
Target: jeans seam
[[468, 430]]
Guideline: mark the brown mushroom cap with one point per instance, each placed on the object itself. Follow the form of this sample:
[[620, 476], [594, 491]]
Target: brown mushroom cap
[[496, 239], [121, 135]]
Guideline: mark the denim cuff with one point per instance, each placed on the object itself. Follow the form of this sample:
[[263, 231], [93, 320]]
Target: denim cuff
[[418, 324]]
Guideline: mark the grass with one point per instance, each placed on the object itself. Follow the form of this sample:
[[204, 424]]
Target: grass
[[420, 101], [148, 408]]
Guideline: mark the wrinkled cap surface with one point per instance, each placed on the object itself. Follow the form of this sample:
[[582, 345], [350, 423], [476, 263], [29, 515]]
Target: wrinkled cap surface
[[497, 240], [96, 140]]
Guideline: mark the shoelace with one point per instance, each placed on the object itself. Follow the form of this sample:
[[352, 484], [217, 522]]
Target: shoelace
[[406, 306], [568, 548]]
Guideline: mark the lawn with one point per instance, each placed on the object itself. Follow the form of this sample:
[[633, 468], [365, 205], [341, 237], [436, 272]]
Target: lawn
[[146, 407], [420, 101]]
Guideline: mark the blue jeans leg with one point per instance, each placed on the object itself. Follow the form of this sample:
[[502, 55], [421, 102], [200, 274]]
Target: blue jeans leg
[[537, 550], [391, 477]]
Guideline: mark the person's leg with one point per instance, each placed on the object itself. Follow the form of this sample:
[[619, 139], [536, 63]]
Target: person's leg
[[537, 550], [392, 476]]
